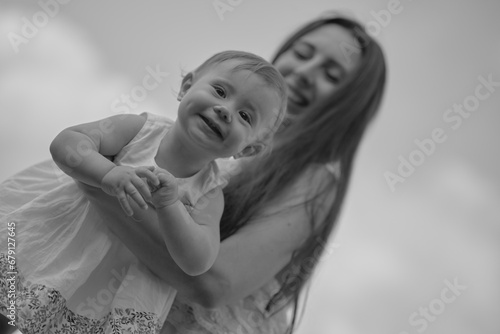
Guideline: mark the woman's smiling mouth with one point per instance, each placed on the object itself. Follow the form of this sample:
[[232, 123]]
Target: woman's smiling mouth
[[296, 97]]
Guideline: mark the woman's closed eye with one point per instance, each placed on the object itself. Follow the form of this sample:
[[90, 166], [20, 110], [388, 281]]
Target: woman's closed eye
[[246, 117], [333, 75], [303, 51], [333, 78]]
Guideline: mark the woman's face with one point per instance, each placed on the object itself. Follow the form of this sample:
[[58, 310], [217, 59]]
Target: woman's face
[[315, 65]]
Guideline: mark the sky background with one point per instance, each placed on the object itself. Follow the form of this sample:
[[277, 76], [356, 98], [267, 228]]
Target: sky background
[[397, 249]]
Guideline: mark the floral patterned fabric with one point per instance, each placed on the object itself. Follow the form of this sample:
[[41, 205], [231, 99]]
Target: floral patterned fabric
[[40, 309]]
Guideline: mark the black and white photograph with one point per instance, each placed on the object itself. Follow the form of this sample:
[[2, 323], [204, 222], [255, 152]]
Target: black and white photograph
[[249, 167]]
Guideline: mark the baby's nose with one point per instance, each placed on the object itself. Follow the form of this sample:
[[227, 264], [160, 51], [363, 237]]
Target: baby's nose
[[223, 113]]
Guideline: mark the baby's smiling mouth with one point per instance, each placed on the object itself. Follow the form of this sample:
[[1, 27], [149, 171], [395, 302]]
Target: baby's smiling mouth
[[213, 126]]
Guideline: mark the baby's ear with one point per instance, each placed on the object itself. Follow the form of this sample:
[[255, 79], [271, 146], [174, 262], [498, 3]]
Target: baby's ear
[[250, 150], [187, 82]]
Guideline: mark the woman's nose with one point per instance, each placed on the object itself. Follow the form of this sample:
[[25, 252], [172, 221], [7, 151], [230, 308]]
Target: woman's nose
[[306, 72], [223, 113]]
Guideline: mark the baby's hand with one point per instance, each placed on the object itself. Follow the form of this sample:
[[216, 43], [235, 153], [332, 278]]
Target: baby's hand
[[165, 193], [124, 182]]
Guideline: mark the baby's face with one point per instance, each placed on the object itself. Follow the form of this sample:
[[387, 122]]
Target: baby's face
[[225, 110]]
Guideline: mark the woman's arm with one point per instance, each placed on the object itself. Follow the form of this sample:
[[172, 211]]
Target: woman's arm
[[246, 261]]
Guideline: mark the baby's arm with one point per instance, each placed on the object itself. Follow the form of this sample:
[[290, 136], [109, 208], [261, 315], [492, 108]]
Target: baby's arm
[[81, 151], [193, 240]]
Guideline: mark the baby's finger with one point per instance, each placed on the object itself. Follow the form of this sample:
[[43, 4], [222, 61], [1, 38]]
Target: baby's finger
[[167, 180], [122, 198], [148, 174], [132, 191], [159, 170], [143, 190]]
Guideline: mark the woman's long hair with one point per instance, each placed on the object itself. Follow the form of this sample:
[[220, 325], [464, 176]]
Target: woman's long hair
[[330, 133]]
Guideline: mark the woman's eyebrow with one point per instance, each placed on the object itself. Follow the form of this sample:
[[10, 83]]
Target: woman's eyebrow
[[306, 43], [330, 60]]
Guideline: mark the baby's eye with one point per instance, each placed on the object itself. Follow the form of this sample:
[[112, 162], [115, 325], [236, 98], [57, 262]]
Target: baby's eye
[[220, 91], [246, 117]]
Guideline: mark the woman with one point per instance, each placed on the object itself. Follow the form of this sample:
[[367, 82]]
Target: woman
[[275, 228]]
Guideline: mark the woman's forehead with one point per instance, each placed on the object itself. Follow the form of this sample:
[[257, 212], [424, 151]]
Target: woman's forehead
[[336, 42]]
